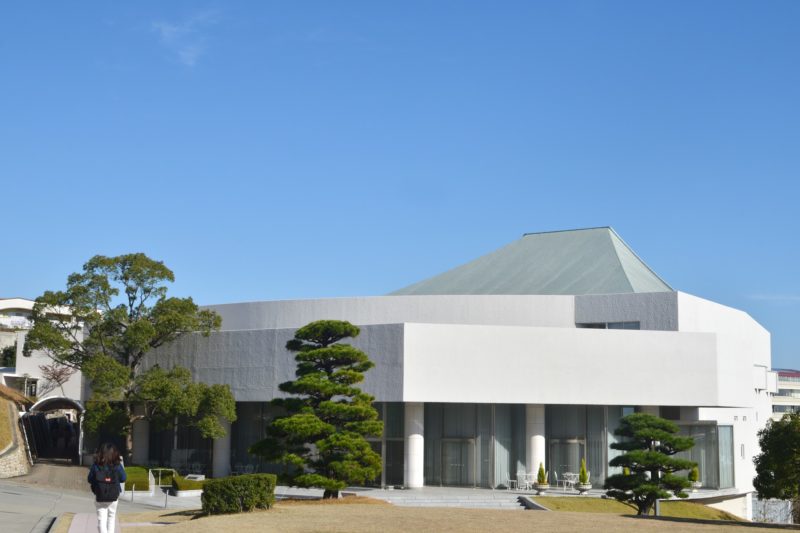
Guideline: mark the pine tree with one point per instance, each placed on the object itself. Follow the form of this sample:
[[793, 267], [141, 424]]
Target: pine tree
[[649, 443], [321, 440]]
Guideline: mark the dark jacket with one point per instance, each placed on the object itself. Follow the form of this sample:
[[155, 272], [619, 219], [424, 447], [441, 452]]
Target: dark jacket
[[93, 471]]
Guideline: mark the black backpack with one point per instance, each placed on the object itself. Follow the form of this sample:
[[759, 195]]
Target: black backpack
[[107, 484]]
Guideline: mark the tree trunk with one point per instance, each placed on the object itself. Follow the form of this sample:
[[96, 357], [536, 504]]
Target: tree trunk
[[129, 434]]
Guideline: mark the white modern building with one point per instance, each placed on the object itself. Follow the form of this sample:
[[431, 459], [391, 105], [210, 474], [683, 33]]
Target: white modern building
[[27, 376], [530, 354], [787, 399]]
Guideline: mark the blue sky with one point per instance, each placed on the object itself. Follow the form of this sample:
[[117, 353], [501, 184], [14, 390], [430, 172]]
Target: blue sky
[[270, 150]]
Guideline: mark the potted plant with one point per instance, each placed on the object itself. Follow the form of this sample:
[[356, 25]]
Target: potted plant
[[541, 484], [583, 485], [694, 477]]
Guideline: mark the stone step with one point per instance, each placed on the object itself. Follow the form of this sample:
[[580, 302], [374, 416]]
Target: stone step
[[463, 505]]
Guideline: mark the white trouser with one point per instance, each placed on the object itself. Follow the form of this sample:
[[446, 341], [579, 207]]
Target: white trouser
[[106, 514]]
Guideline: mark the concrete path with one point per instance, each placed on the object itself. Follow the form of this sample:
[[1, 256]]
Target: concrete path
[[54, 475], [25, 508], [30, 503]]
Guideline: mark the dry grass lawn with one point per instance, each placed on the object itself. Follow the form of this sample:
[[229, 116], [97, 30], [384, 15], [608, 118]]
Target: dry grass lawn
[[5, 424], [679, 509], [355, 517]]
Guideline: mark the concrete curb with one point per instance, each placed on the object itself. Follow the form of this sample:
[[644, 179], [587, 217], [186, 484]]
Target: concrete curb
[[726, 523], [44, 524], [57, 521], [531, 505]]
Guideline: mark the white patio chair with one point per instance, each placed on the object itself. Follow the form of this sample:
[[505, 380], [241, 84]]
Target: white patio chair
[[522, 481], [511, 484]]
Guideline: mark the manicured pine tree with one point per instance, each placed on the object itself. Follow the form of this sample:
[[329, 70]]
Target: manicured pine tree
[[649, 443], [321, 440]]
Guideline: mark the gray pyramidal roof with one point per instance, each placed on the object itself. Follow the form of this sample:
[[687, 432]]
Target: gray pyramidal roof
[[582, 261]]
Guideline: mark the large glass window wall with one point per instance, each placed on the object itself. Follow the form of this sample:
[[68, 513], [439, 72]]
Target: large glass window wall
[[252, 419], [574, 432], [392, 442], [181, 447], [474, 445], [713, 453]]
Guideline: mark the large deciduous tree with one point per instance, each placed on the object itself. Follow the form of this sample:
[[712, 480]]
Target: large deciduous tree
[[321, 439], [778, 464], [104, 323], [649, 443]]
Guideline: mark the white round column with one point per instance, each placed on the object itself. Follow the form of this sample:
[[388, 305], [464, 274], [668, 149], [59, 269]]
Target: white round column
[[534, 437], [414, 468], [141, 442]]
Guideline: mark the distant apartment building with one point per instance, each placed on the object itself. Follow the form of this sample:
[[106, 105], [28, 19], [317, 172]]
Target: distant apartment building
[[26, 374], [787, 399]]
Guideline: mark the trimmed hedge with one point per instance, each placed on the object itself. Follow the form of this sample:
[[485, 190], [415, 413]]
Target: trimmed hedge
[[137, 475], [181, 483], [239, 493]]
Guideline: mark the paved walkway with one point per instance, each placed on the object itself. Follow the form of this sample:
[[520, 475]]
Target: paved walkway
[[30, 503], [25, 508], [56, 475]]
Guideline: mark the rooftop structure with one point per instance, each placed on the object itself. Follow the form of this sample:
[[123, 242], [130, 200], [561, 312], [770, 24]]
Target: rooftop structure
[[584, 261]]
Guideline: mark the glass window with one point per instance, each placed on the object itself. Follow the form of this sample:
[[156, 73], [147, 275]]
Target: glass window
[[623, 325], [395, 420], [725, 456], [705, 452], [670, 412], [473, 444]]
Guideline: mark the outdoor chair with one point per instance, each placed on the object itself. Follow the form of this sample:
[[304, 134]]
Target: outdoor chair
[[522, 481]]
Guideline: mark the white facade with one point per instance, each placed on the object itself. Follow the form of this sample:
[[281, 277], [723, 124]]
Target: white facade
[[476, 382], [457, 350], [787, 397], [26, 376]]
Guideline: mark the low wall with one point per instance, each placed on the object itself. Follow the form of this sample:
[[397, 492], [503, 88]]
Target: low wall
[[772, 511], [14, 460]]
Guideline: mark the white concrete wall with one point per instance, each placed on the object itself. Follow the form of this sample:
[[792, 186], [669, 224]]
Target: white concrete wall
[[502, 364], [743, 348], [525, 310], [73, 388], [653, 310], [255, 362]]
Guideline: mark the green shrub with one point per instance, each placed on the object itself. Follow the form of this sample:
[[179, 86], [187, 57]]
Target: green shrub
[[541, 476], [694, 474], [181, 483], [239, 493], [583, 475], [137, 475]]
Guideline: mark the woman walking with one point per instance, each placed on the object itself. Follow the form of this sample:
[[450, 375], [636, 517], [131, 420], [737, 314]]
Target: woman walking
[[105, 476]]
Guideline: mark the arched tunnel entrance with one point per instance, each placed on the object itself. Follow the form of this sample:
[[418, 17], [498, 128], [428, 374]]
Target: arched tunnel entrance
[[54, 427]]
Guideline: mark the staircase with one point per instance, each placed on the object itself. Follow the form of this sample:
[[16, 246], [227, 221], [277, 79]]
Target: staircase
[[446, 497]]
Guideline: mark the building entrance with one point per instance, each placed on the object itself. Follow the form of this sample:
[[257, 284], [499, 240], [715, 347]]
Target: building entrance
[[458, 462]]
